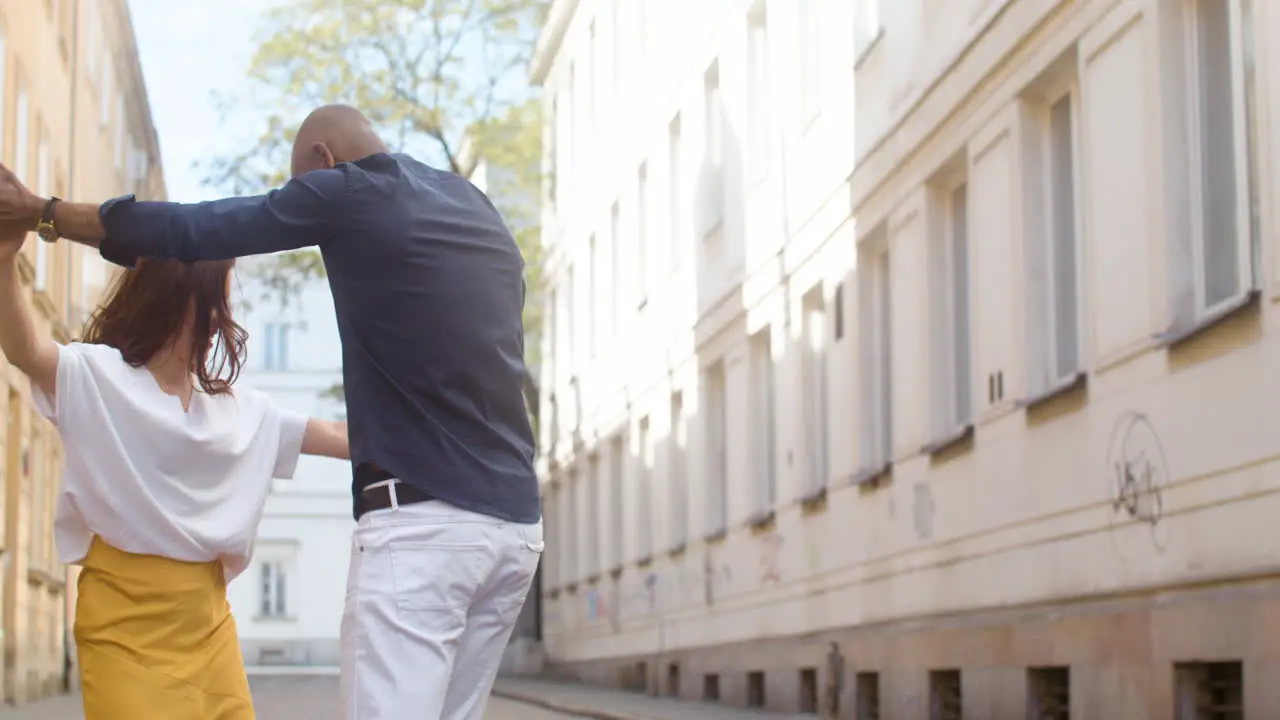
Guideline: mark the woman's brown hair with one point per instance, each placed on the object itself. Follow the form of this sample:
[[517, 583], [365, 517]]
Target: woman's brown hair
[[148, 305]]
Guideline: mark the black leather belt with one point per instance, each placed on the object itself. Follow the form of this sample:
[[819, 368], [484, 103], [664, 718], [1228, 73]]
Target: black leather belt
[[379, 498]]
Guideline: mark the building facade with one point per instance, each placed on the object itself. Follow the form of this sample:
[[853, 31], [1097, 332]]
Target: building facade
[[74, 122], [937, 330], [288, 603]]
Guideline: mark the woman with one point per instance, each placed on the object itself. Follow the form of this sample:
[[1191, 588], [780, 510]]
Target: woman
[[167, 471]]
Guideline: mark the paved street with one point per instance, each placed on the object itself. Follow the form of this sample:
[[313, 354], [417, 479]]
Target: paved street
[[282, 698]]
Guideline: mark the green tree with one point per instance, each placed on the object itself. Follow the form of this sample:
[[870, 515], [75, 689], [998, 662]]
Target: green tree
[[444, 80]]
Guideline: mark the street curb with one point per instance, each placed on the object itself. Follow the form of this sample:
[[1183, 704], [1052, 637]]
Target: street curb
[[563, 708]]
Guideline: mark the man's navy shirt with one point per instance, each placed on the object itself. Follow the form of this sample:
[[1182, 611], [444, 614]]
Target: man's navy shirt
[[428, 285]]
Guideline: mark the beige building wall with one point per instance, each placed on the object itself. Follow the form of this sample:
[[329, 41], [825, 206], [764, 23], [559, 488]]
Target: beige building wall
[[943, 331], [74, 122]]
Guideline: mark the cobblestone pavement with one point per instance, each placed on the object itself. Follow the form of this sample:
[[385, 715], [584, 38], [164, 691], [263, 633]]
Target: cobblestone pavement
[[280, 698]]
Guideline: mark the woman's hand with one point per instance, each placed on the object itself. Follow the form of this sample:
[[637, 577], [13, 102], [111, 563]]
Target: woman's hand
[[12, 235]]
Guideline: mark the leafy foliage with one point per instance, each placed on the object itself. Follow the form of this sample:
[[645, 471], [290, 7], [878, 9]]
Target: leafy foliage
[[443, 80]]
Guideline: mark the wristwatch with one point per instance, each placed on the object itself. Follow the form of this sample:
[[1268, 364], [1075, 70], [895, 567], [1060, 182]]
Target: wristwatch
[[47, 231]]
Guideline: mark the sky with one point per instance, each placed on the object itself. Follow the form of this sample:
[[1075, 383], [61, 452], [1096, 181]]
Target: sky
[[189, 49]]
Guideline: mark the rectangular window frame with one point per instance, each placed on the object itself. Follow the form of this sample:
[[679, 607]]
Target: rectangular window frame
[[875, 333], [951, 407]]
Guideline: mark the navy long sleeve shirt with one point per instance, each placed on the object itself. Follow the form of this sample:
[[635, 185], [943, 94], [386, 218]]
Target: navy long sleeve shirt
[[428, 285]]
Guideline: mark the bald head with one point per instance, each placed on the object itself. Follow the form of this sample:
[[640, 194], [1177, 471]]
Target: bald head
[[333, 134]]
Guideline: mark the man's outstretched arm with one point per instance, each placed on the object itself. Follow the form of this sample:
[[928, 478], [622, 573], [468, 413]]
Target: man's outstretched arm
[[299, 214]]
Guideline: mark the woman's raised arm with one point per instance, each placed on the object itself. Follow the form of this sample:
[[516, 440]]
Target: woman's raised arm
[[22, 344]]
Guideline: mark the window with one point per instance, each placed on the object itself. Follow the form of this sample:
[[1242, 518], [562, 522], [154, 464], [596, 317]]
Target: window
[[1223, 243], [642, 234], [553, 150], [644, 487], [571, 307], [21, 140], [566, 531], [617, 498], [615, 263], [274, 600], [809, 691], [275, 354], [949, 314], [755, 689], [675, 201], [120, 134], [838, 321], [810, 60], [868, 25], [717, 450], [757, 90], [874, 350], [593, 481], [1050, 690], [104, 104], [572, 136], [713, 213], [673, 680], [764, 421], [1209, 691], [678, 471], [92, 31], [945, 698], [711, 687], [867, 703], [593, 317], [573, 517], [44, 172], [1054, 255], [814, 379], [593, 61]]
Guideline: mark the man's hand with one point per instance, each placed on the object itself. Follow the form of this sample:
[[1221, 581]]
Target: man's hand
[[18, 205]]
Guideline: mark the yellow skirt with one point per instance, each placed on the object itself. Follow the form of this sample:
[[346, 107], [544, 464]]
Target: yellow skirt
[[156, 640]]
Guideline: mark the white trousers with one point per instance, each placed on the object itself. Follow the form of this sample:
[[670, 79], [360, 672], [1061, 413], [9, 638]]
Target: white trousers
[[433, 593]]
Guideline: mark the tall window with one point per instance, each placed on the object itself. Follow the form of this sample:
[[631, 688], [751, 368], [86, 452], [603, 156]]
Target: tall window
[[21, 145], [44, 173], [275, 347], [1054, 255], [764, 421], [593, 316], [815, 388], [714, 150], [1223, 203], [949, 317], [274, 599], [615, 266], [592, 547], [717, 450], [553, 151], [868, 25], [107, 90], [121, 134], [573, 528], [571, 308], [758, 90], [593, 63], [617, 498], [678, 472], [642, 233], [874, 341], [644, 490], [810, 60], [675, 201]]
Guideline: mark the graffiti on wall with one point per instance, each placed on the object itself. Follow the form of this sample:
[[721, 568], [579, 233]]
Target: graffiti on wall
[[1137, 472], [770, 556]]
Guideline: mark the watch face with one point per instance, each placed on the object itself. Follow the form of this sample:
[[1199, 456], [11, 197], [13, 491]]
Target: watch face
[[47, 233]]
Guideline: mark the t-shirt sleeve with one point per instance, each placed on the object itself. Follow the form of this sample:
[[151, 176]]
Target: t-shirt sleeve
[[72, 377], [293, 426]]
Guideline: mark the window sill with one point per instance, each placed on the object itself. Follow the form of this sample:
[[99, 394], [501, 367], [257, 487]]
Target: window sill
[[959, 439], [1072, 383], [815, 502], [715, 536], [868, 48], [873, 477], [678, 550], [1174, 337], [278, 619], [761, 521]]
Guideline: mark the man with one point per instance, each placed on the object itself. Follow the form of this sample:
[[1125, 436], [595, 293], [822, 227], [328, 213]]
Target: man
[[428, 287]]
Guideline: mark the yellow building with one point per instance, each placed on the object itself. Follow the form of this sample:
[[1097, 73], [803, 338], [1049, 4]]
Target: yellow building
[[74, 122]]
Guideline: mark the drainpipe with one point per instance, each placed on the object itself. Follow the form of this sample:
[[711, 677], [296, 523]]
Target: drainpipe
[[68, 653]]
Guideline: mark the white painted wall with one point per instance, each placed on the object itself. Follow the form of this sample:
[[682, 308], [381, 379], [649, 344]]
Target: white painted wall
[[949, 92], [306, 526]]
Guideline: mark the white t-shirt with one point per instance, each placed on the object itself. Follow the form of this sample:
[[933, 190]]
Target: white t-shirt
[[151, 479]]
